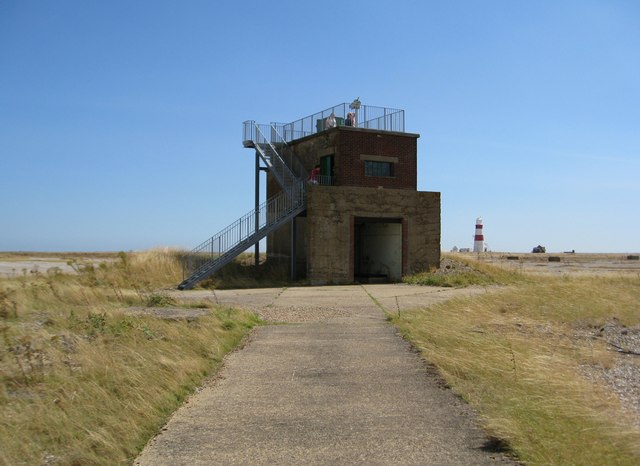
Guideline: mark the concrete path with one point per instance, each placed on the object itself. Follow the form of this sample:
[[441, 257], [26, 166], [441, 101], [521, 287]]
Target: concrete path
[[338, 387]]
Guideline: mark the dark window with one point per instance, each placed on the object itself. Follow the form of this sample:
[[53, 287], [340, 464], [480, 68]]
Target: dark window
[[372, 168]]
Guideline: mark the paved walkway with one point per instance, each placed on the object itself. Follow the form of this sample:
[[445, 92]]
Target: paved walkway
[[338, 387]]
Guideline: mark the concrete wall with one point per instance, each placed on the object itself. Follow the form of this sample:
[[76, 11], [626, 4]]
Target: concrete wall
[[331, 212], [279, 246]]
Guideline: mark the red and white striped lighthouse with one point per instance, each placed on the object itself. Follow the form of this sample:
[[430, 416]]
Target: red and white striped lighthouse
[[478, 239]]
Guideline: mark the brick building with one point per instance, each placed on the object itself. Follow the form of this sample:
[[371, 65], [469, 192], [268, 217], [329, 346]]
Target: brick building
[[359, 219], [365, 220]]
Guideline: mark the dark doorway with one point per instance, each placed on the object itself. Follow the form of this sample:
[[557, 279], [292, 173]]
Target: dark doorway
[[377, 250]]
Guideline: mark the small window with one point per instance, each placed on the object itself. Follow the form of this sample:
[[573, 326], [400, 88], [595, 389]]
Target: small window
[[372, 168]]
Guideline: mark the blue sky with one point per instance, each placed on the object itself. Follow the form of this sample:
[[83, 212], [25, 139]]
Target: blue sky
[[121, 122]]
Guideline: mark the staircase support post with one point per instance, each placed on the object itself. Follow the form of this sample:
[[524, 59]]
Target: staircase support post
[[293, 249], [257, 221]]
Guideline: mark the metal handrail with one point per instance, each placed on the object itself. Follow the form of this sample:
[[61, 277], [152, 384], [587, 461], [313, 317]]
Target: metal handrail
[[292, 159], [280, 169], [387, 122], [322, 180], [366, 116], [268, 213]]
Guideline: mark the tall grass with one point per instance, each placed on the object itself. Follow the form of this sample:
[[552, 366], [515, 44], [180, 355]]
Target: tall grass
[[516, 355], [82, 381]]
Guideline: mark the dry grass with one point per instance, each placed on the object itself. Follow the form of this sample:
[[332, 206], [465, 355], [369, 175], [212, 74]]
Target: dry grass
[[460, 271], [81, 381], [242, 274], [515, 354]]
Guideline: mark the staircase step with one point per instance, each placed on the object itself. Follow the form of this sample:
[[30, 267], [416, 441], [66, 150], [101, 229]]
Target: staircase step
[[216, 264]]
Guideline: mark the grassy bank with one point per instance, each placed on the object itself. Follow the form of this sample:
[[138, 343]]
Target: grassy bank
[[85, 382], [517, 354], [459, 272]]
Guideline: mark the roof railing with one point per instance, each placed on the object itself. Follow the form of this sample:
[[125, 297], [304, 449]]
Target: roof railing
[[356, 115]]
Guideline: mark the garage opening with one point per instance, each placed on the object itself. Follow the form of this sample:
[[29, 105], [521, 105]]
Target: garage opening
[[377, 250]]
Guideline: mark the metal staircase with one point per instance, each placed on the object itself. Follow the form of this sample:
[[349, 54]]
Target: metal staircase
[[223, 247]]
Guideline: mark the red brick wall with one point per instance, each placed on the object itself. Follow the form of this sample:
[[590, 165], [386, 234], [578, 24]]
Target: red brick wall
[[347, 144], [352, 143]]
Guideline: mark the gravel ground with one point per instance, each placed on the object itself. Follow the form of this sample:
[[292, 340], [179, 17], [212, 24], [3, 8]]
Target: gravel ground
[[301, 314], [565, 264], [623, 377]]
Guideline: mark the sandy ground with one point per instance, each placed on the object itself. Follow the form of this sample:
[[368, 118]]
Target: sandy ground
[[43, 265], [33, 265], [564, 263]]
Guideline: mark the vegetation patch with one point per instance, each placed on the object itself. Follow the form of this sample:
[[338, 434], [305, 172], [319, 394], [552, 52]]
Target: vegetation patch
[[518, 355], [242, 273], [460, 272], [84, 382], [160, 300]]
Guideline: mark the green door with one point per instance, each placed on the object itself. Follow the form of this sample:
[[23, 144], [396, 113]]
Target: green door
[[326, 170]]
